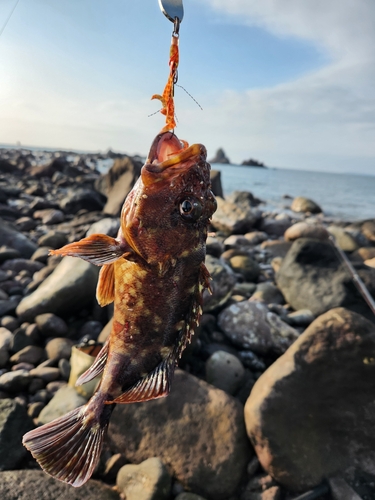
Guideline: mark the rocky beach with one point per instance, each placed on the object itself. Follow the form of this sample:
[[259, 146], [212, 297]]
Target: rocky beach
[[273, 399]]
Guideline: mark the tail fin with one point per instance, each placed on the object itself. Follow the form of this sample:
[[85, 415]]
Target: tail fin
[[69, 447]]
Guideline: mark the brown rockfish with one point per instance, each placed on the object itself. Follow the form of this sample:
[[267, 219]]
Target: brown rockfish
[[154, 273]]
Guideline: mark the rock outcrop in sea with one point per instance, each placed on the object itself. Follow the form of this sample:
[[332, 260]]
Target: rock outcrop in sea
[[274, 397]]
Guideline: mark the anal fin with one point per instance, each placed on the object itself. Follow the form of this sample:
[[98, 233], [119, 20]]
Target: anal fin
[[105, 291], [97, 367], [155, 385], [98, 249]]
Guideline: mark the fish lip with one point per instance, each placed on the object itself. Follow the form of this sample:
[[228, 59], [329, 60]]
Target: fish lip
[[167, 150]]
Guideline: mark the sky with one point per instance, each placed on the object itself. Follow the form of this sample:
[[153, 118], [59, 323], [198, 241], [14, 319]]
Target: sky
[[288, 82]]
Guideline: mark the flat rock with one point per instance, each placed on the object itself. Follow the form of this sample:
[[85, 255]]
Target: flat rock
[[312, 277], [14, 423], [251, 325], [311, 414], [69, 288], [197, 431], [35, 484]]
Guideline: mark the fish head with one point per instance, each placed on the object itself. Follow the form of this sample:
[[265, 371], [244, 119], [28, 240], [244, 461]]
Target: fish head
[[166, 215]]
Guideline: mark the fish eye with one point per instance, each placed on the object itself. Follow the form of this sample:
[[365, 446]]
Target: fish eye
[[190, 209]]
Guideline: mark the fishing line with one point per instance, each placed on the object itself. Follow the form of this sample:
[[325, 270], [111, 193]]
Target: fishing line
[[8, 19]]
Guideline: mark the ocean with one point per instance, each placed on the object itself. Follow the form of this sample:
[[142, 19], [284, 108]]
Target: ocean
[[349, 197]]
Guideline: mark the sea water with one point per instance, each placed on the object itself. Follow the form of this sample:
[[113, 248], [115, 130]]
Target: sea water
[[349, 197]]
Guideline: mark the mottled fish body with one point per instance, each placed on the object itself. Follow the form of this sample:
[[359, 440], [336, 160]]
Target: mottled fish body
[[154, 273]]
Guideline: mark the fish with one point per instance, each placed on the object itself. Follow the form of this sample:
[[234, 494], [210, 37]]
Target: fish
[[155, 275]]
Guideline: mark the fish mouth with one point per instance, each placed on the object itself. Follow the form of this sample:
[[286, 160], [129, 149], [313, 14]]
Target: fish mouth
[[167, 152]]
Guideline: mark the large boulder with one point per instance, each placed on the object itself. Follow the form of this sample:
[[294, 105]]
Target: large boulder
[[69, 288], [197, 431], [312, 277], [311, 414], [14, 423], [35, 484]]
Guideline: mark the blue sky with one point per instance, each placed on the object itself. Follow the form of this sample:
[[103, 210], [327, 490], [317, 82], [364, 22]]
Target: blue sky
[[289, 82]]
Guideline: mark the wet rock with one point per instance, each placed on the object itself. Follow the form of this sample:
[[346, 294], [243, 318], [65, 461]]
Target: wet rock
[[65, 400], [69, 288], [212, 452], [224, 371], [232, 219], [343, 239], [149, 480], [301, 204], [223, 281], [11, 237], [33, 484], [311, 277], [306, 230], [51, 325], [14, 423], [250, 325], [298, 400], [59, 348]]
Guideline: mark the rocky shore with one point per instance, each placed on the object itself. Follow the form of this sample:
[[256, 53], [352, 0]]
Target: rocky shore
[[273, 398]]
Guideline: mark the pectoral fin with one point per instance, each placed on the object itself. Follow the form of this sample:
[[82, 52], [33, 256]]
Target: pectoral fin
[[155, 385], [98, 249], [105, 291], [97, 367]]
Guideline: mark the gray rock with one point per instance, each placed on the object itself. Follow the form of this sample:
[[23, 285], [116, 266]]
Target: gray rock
[[30, 354], [41, 255], [118, 182], [225, 371], [69, 288], [18, 265], [49, 216], [65, 400], [149, 480], [107, 226], [14, 423], [11, 237], [232, 219], [9, 306], [197, 431], [53, 239], [214, 246], [301, 204], [35, 484], [223, 281], [256, 237], [9, 322], [319, 397], [15, 381], [306, 230], [343, 239], [51, 325], [188, 496], [302, 317], [268, 293], [46, 373], [5, 338], [243, 264], [81, 198], [250, 325], [311, 277], [274, 227], [59, 348]]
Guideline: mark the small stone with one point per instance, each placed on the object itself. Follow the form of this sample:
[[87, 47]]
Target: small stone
[[41, 396], [302, 317], [56, 385], [51, 325], [149, 480], [246, 266], [35, 408], [224, 371], [47, 374], [188, 496], [268, 293], [90, 331], [53, 239], [18, 265], [251, 361], [64, 367], [306, 230], [59, 348], [113, 465], [370, 262], [256, 237], [25, 224], [343, 239], [31, 354], [41, 255], [65, 400], [235, 241], [35, 386], [16, 381], [5, 338], [214, 246], [9, 322], [302, 204]]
